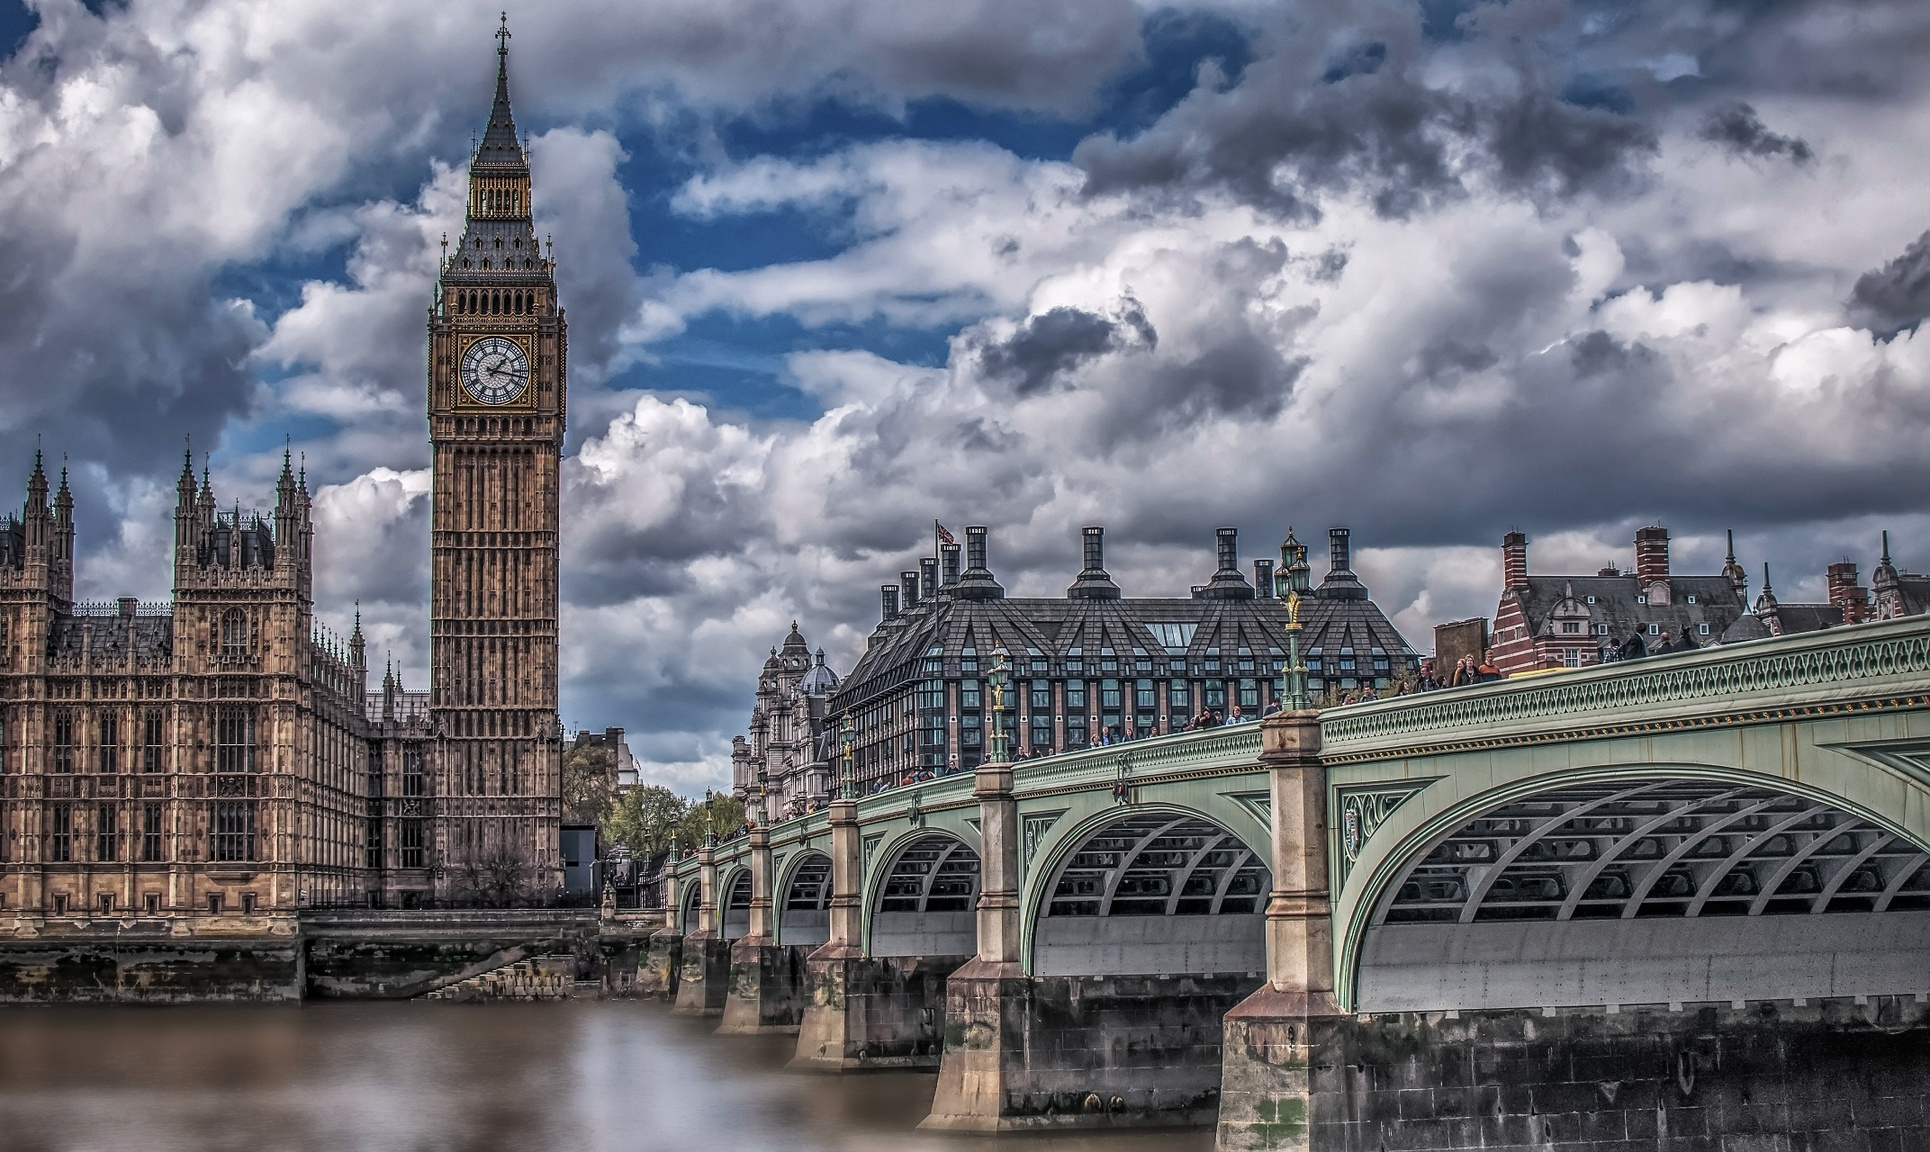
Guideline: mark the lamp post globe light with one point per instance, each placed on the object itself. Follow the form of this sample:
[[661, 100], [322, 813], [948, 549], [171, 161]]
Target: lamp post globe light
[[999, 676]]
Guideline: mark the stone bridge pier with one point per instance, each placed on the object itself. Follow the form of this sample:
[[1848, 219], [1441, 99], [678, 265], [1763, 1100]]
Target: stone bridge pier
[[703, 976], [766, 980], [1265, 1088], [1140, 937], [657, 971], [882, 1006]]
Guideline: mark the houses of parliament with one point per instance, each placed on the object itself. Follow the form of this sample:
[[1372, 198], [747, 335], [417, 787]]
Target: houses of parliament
[[218, 762]]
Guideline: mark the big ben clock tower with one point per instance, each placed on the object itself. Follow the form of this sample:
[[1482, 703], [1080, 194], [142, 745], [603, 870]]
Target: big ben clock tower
[[497, 384]]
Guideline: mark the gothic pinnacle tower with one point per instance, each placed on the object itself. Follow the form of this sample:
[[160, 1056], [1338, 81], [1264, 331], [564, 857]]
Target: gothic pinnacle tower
[[496, 396]]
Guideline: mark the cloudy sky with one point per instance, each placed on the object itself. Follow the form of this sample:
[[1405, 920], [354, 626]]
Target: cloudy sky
[[1435, 269]]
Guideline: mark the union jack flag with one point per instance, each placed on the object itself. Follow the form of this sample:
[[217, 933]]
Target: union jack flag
[[944, 537]]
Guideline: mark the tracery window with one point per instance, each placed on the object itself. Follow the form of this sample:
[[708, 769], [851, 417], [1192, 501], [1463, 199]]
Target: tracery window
[[234, 739], [412, 778], [234, 831], [234, 634], [411, 843], [110, 746], [150, 832], [151, 730], [60, 843], [107, 833], [64, 740]]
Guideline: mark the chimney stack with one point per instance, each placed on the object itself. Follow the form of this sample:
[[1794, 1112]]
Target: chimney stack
[[1847, 593], [1514, 560], [888, 594], [1652, 563], [927, 577], [1093, 582], [976, 582], [947, 565], [1340, 582], [1263, 579], [908, 594], [1340, 552], [1227, 583], [975, 548], [1227, 541]]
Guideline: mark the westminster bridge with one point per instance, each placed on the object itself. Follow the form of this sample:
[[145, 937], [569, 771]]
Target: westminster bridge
[[1676, 902]]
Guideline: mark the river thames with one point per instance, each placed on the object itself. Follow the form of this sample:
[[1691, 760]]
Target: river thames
[[419, 1077]]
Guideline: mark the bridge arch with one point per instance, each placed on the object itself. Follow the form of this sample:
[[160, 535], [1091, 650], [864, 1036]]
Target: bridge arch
[[923, 897], [734, 904], [1650, 884], [1150, 890], [804, 899], [693, 897]]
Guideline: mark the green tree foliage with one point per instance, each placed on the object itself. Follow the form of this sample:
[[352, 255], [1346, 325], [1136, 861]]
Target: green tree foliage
[[589, 784], [645, 820], [721, 814]]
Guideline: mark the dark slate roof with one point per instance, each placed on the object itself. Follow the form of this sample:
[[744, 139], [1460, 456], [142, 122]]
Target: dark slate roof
[[1793, 618], [410, 707], [1913, 592], [1717, 604], [152, 637], [1162, 629]]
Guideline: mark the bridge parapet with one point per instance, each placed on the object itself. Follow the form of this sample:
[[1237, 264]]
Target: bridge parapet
[[1837, 669]]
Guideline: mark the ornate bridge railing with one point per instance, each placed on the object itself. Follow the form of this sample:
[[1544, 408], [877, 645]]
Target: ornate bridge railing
[[1860, 667]]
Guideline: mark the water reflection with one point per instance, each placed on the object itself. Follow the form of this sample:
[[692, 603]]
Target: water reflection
[[423, 1077]]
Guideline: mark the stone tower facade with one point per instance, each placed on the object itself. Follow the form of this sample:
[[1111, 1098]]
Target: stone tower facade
[[497, 386]]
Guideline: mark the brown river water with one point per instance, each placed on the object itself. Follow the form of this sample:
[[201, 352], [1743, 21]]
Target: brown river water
[[586, 1076]]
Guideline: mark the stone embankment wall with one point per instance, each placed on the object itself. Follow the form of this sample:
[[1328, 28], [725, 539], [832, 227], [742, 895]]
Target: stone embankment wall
[[160, 970], [364, 956], [1830, 1075], [396, 955]]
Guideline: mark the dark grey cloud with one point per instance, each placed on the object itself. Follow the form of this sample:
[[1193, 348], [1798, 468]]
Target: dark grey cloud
[[1370, 120], [1738, 129], [1048, 345], [1897, 295]]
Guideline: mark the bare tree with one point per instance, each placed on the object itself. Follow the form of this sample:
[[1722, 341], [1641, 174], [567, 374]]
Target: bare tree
[[498, 877]]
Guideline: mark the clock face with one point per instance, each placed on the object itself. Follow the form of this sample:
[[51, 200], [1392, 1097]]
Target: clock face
[[494, 370]]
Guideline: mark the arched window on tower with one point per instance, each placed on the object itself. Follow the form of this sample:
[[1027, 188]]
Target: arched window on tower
[[234, 634]]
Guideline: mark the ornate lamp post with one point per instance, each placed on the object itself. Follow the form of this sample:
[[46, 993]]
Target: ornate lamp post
[[847, 783], [1289, 582], [710, 818], [999, 676]]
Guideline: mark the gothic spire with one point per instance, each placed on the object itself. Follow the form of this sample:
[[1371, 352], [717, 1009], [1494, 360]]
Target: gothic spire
[[1738, 579], [500, 148], [37, 486]]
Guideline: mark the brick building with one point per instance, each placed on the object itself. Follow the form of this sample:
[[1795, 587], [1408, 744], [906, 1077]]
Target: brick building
[[1569, 621]]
